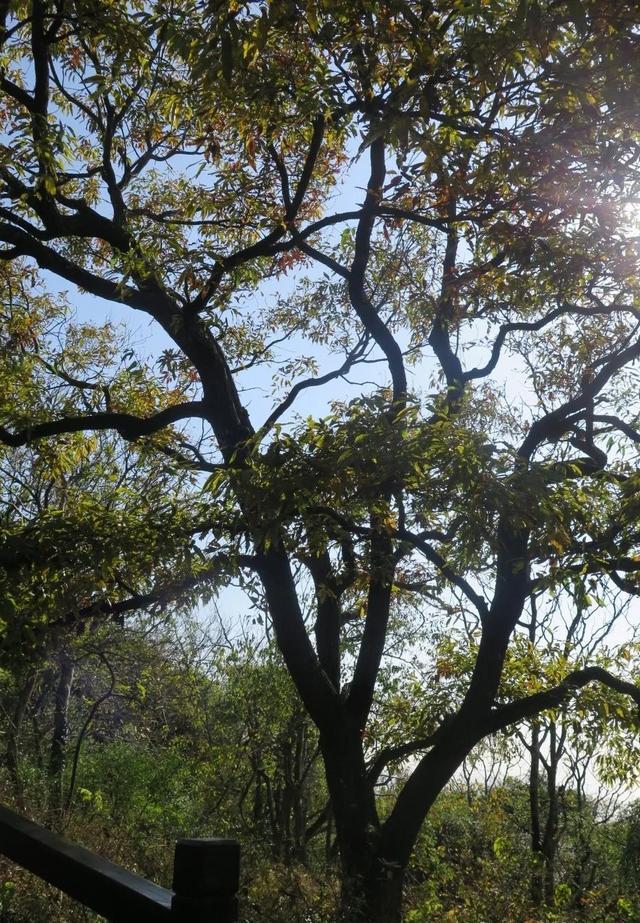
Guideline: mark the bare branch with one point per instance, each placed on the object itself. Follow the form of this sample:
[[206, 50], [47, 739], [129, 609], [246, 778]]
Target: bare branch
[[436, 558], [530, 326], [300, 386]]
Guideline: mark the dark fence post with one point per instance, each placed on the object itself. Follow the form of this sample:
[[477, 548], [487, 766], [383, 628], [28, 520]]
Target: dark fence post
[[205, 881]]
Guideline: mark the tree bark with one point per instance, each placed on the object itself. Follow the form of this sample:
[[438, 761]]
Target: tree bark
[[383, 889], [356, 819], [374, 856], [372, 890]]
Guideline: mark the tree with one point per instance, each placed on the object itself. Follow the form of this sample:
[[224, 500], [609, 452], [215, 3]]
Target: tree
[[581, 756], [174, 727], [91, 528], [494, 234], [566, 745]]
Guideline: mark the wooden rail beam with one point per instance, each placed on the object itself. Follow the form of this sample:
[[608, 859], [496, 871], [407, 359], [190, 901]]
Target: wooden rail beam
[[205, 882]]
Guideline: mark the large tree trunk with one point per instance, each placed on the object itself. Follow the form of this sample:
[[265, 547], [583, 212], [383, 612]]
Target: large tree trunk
[[371, 890], [383, 895], [356, 820], [374, 857]]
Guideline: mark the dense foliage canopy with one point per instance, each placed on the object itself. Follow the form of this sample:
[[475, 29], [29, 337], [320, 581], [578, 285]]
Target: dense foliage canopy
[[390, 258]]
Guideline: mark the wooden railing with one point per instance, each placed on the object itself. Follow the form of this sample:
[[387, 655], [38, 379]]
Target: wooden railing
[[205, 876]]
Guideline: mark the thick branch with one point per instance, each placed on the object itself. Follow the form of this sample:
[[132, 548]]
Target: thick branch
[[530, 706], [328, 618], [307, 170], [48, 258], [616, 423], [439, 339], [401, 751], [129, 426], [375, 626], [556, 422], [366, 312], [510, 593], [316, 689]]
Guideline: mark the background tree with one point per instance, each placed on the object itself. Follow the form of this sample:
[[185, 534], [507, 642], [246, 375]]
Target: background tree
[[493, 234]]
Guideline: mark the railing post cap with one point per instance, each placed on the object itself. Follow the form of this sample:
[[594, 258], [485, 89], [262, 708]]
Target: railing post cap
[[214, 842]]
